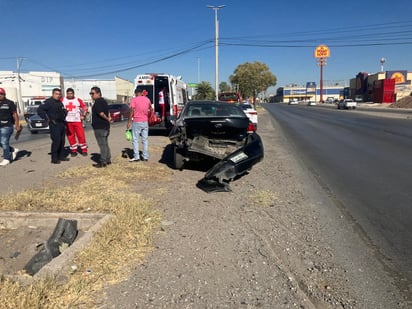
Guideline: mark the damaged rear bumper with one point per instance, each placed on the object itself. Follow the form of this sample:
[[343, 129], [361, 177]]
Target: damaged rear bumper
[[234, 165]]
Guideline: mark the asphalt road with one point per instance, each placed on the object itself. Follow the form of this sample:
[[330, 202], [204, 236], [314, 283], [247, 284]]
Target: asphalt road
[[364, 163]]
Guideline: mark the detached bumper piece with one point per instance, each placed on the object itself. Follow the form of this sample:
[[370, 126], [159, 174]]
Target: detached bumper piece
[[63, 235], [234, 165]]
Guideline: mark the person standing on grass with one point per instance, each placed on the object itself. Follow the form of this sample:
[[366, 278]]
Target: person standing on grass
[[139, 111], [76, 111], [8, 117], [53, 109], [101, 126]]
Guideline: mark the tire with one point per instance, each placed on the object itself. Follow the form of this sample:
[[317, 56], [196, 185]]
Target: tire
[[178, 159]]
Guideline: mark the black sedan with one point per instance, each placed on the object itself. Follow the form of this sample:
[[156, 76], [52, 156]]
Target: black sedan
[[34, 122], [119, 111], [219, 131]]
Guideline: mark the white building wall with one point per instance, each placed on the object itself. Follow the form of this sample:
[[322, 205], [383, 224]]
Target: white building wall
[[41, 84], [82, 88]]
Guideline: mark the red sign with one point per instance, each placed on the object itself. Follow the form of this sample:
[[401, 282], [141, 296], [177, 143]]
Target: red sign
[[322, 51]]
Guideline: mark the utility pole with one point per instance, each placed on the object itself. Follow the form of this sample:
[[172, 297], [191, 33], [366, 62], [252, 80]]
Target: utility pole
[[216, 8], [20, 103]]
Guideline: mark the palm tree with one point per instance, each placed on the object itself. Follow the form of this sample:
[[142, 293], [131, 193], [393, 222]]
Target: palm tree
[[204, 91]]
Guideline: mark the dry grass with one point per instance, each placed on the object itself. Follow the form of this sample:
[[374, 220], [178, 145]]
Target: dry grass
[[264, 198], [121, 243]]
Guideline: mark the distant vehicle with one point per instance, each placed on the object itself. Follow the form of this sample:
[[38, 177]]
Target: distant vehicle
[[231, 97], [35, 101], [34, 122], [310, 103], [250, 112], [347, 104], [358, 98], [293, 101], [329, 100], [152, 83], [119, 111]]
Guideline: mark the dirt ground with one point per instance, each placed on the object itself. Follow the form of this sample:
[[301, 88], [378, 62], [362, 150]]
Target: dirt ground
[[276, 241], [405, 102]]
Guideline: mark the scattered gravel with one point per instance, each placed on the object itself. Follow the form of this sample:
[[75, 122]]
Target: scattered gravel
[[276, 241]]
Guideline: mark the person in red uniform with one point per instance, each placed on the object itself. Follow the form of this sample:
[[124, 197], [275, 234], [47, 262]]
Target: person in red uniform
[[76, 111]]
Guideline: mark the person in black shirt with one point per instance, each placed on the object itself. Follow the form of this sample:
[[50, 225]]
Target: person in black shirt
[[101, 126], [53, 109], [8, 118]]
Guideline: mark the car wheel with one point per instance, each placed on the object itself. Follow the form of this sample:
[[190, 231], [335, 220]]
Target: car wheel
[[178, 159]]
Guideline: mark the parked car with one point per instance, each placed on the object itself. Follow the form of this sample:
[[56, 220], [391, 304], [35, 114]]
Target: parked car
[[34, 122], [293, 101], [30, 111], [250, 112], [231, 97], [119, 111], [347, 104], [310, 103], [219, 131]]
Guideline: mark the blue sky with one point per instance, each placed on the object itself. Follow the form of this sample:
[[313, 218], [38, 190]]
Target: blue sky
[[101, 39]]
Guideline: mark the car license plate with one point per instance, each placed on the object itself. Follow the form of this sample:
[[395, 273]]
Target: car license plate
[[37, 124]]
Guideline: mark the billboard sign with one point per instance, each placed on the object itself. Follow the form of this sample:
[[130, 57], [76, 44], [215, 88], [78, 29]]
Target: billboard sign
[[310, 87], [400, 77], [322, 51]]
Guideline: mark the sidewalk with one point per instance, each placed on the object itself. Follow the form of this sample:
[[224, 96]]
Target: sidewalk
[[32, 167]]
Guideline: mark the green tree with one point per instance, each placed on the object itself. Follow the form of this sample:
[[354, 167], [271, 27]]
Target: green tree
[[252, 78], [223, 86], [204, 91]]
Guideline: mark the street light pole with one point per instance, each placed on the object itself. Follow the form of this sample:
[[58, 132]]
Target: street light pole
[[216, 8]]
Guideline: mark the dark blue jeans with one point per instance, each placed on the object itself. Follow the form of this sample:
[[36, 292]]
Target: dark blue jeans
[[5, 133]]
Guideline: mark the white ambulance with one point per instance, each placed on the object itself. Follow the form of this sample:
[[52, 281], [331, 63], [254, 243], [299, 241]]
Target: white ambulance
[[176, 92]]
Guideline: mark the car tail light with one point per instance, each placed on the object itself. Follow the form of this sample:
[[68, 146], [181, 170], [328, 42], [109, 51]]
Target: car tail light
[[251, 128], [253, 113]]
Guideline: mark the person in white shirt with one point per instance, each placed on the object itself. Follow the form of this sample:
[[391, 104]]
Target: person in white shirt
[[76, 111], [162, 100]]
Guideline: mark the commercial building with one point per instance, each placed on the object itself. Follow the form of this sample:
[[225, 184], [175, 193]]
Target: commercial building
[[308, 92], [21, 88], [381, 87]]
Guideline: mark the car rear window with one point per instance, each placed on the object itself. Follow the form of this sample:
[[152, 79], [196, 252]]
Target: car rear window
[[217, 110]]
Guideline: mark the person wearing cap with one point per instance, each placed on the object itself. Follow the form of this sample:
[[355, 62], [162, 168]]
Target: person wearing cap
[[8, 118], [76, 111]]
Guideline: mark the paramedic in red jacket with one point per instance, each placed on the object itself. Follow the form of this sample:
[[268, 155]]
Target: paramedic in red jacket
[[76, 111]]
